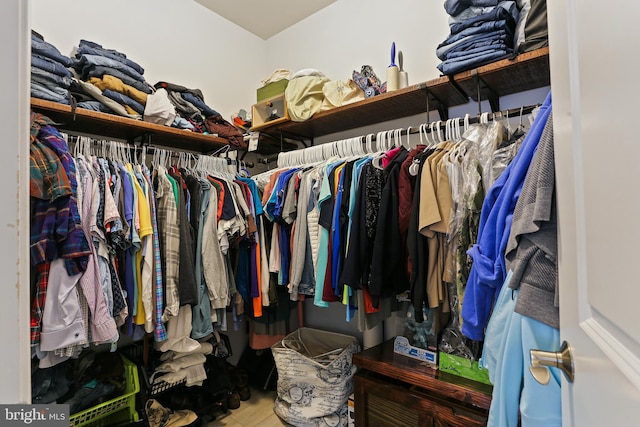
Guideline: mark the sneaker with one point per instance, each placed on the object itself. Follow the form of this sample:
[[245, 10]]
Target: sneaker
[[159, 416]]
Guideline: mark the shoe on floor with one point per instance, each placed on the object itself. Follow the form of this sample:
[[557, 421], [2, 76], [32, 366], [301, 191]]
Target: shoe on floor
[[244, 393], [159, 416], [233, 400]]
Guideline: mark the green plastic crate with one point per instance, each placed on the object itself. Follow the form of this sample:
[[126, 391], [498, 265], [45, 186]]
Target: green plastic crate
[[118, 410], [272, 89]]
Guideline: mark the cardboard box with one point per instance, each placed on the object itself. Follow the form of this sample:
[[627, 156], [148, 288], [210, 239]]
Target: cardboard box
[[272, 89], [401, 346], [270, 111]]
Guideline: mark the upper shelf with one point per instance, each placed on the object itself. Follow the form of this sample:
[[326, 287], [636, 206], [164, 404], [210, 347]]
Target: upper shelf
[[527, 71], [117, 127]]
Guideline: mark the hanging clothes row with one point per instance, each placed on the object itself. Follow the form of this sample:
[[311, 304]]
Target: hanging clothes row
[[511, 300], [126, 243], [372, 223], [436, 128]]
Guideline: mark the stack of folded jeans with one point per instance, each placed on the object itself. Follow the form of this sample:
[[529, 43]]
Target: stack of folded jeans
[[50, 77], [190, 107], [482, 31], [117, 77]]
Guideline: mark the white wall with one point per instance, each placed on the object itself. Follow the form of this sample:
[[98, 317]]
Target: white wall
[[350, 33], [179, 41]]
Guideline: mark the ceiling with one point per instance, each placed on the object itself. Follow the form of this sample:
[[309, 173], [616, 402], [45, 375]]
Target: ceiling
[[265, 18]]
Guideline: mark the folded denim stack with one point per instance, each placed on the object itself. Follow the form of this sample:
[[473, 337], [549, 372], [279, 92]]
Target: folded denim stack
[[117, 78], [50, 76], [91, 97], [191, 110], [482, 31]]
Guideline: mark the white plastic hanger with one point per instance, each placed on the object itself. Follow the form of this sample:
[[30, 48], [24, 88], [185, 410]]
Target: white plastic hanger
[[361, 146], [440, 133], [432, 133], [380, 141], [350, 146], [397, 137], [408, 138], [369, 144]]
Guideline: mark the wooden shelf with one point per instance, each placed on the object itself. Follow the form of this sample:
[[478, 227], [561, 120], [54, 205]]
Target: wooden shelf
[[382, 360], [117, 127], [388, 106], [526, 71]]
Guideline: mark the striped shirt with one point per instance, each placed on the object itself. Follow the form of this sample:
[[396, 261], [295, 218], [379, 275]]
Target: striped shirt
[[160, 332], [102, 325], [169, 232]]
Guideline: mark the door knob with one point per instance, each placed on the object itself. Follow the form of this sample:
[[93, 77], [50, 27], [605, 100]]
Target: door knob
[[541, 360]]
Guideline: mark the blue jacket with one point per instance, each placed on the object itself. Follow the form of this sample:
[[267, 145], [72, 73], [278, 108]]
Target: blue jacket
[[488, 271], [516, 394]]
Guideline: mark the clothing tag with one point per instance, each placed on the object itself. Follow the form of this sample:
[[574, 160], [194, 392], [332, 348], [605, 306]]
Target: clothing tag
[[253, 141]]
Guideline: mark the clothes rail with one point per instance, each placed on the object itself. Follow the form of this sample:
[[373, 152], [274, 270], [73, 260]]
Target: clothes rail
[[134, 150], [371, 143]]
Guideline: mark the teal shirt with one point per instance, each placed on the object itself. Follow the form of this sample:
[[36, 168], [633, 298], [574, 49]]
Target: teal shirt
[[323, 237]]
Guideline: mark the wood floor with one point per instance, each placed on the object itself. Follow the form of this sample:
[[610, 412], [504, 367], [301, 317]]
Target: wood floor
[[257, 411]]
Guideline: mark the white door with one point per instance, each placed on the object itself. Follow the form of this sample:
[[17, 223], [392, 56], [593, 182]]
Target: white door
[[596, 112]]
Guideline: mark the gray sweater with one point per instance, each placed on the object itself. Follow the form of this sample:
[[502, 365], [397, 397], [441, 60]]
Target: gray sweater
[[532, 248]]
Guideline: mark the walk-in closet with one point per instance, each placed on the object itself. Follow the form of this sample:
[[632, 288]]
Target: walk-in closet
[[318, 213]]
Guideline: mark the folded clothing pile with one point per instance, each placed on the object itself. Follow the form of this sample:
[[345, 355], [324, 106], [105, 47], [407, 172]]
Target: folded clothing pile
[[179, 366], [191, 112], [50, 74], [481, 32], [189, 105], [108, 81]]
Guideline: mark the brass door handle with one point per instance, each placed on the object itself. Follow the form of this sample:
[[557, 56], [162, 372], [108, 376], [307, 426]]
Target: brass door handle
[[540, 360]]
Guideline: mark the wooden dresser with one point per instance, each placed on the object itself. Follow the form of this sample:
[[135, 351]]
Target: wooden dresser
[[395, 390]]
